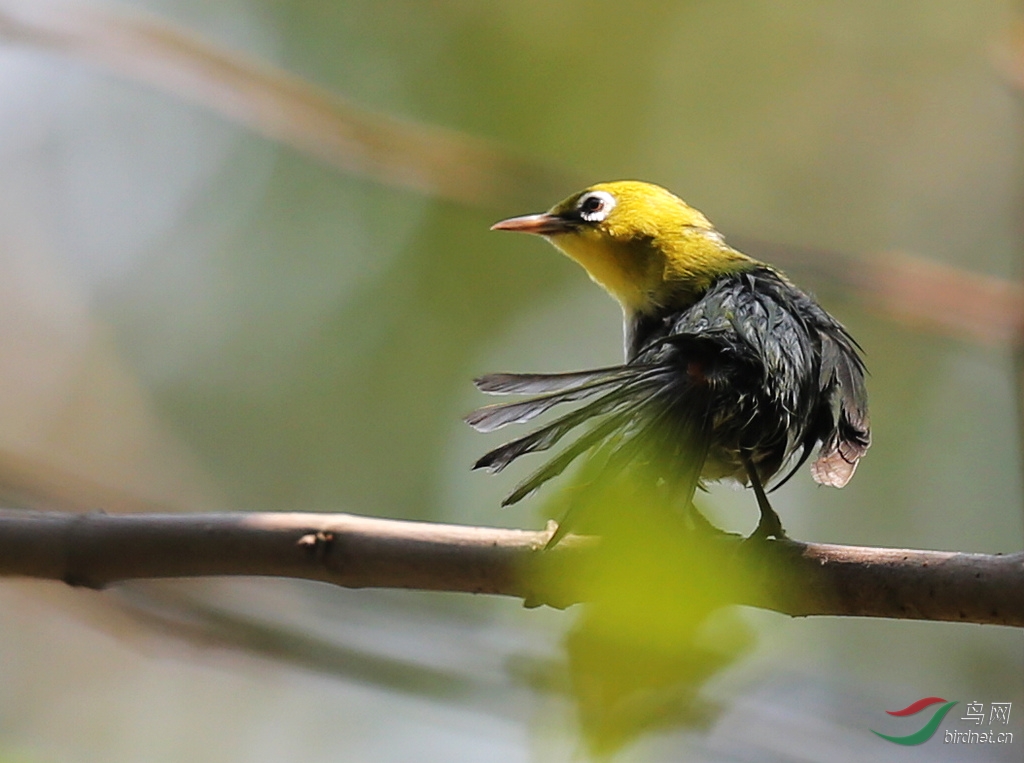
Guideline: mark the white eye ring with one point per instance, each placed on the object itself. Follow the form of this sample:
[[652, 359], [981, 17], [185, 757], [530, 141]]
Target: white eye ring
[[595, 206]]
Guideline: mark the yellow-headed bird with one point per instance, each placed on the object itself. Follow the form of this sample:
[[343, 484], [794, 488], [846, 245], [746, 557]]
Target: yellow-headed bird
[[730, 368]]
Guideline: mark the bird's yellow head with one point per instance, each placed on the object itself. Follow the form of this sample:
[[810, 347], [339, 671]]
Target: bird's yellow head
[[644, 245]]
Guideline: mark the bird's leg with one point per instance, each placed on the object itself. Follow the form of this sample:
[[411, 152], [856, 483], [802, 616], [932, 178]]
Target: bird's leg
[[769, 525]]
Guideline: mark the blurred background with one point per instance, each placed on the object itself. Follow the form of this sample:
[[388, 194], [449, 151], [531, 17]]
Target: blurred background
[[245, 265]]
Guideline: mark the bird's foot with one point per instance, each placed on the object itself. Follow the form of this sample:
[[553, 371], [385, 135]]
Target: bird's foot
[[769, 526]]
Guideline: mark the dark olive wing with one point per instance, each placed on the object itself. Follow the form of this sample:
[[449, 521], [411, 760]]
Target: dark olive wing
[[811, 376], [842, 380]]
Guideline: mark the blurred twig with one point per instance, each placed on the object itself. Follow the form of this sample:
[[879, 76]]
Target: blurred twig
[[454, 165], [35, 483], [197, 621], [97, 550], [1008, 59], [281, 106]]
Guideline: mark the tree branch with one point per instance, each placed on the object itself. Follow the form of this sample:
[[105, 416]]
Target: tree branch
[[96, 550]]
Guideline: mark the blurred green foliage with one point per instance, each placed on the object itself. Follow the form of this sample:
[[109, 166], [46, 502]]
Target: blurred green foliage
[[655, 627]]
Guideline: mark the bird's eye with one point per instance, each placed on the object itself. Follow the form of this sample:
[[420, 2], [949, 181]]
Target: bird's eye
[[595, 206]]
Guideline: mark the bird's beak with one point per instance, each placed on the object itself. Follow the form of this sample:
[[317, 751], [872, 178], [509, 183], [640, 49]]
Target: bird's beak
[[544, 224]]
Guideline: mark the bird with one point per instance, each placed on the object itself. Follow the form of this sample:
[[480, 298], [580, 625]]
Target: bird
[[730, 370]]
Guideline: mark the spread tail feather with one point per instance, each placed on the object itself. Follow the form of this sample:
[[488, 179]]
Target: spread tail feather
[[548, 435], [683, 482], [849, 441], [535, 384], [561, 462], [492, 417]]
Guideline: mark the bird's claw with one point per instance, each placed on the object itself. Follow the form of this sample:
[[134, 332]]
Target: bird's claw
[[769, 526]]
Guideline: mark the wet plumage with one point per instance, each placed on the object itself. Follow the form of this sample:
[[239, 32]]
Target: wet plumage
[[731, 371]]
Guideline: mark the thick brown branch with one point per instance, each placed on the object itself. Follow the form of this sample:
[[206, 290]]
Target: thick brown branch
[[96, 550], [826, 579]]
